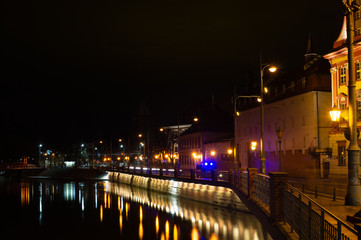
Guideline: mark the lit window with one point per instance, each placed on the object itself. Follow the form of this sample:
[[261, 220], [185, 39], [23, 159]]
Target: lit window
[[358, 70], [342, 75]]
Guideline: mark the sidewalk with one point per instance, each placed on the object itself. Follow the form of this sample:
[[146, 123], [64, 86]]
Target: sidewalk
[[337, 207]]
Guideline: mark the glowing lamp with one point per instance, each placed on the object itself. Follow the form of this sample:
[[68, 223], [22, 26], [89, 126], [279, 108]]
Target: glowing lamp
[[253, 145], [335, 114], [272, 69]]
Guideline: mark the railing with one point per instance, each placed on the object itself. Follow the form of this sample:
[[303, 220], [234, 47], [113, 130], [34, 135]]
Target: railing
[[244, 182], [262, 189], [310, 220], [305, 217]]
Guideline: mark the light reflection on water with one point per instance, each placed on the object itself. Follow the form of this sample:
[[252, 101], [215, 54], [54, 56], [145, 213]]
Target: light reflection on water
[[95, 210]]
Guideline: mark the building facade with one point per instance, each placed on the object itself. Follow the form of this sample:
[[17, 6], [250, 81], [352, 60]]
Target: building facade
[[339, 81], [298, 103], [214, 125]]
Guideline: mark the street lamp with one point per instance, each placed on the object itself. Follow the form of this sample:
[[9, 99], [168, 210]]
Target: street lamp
[[260, 99], [272, 69], [253, 145], [279, 132], [40, 146], [353, 196]]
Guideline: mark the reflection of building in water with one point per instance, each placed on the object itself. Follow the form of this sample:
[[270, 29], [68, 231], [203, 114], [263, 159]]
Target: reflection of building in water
[[206, 218]]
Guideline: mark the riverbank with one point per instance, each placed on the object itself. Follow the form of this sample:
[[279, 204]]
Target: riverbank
[[56, 173]]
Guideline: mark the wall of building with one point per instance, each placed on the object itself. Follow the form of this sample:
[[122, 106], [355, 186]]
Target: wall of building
[[194, 143], [223, 159], [305, 122]]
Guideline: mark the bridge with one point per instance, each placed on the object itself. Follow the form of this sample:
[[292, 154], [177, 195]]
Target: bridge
[[284, 211]]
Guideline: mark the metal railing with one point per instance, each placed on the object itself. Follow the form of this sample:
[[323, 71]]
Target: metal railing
[[262, 190], [310, 220], [307, 218]]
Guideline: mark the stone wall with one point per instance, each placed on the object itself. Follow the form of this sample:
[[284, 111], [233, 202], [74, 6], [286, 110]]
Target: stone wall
[[217, 195]]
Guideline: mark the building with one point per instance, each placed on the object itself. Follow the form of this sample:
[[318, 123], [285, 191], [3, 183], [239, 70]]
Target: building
[[167, 150], [219, 152], [339, 80], [297, 103], [213, 126]]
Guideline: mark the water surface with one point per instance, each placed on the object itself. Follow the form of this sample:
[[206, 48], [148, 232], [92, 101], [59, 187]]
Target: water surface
[[59, 209]]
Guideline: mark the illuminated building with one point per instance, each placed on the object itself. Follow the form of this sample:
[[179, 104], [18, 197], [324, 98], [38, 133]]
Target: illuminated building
[[298, 102], [339, 79]]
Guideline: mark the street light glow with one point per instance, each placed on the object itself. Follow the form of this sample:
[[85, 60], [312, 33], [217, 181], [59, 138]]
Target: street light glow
[[272, 69], [253, 145], [335, 114], [213, 153]]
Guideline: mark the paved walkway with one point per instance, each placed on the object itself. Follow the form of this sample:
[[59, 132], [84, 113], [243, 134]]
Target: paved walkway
[[326, 197]]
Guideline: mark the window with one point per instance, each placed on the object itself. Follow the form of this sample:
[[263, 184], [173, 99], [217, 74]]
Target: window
[[358, 32], [292, 86], [358, 71], [343, 106], [341, 153], [342, 75], [304, 82], [358, 15]]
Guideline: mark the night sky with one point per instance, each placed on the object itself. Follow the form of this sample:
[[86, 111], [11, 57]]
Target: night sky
[[76, 70]]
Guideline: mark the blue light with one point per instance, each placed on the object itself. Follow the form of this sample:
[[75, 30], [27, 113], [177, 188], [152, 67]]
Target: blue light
[[206, 164], [211, 164]]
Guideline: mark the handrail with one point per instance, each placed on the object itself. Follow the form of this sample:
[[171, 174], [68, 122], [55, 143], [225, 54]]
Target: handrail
[[323, 209]]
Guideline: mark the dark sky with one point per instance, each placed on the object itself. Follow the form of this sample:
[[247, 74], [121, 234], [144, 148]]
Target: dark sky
[[74, 70]]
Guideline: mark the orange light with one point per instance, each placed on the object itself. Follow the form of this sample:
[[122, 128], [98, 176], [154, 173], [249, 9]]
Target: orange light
[[213, 153], [253, 145]]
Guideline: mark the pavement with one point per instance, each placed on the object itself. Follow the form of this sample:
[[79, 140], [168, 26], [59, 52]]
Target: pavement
[[330, 194]]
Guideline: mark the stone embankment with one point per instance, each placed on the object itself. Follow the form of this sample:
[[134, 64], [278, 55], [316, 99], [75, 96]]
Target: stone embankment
[[206, 193]]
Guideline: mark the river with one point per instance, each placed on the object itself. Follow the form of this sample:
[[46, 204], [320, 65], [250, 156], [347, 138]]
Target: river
[[62, 209]]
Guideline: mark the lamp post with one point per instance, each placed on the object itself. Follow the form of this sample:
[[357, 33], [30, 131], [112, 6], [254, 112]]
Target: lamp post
[[353, 196], [279, 132], [40, 146], [262, 91]]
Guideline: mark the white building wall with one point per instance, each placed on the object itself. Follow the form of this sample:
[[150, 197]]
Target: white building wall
[[297, 116]]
